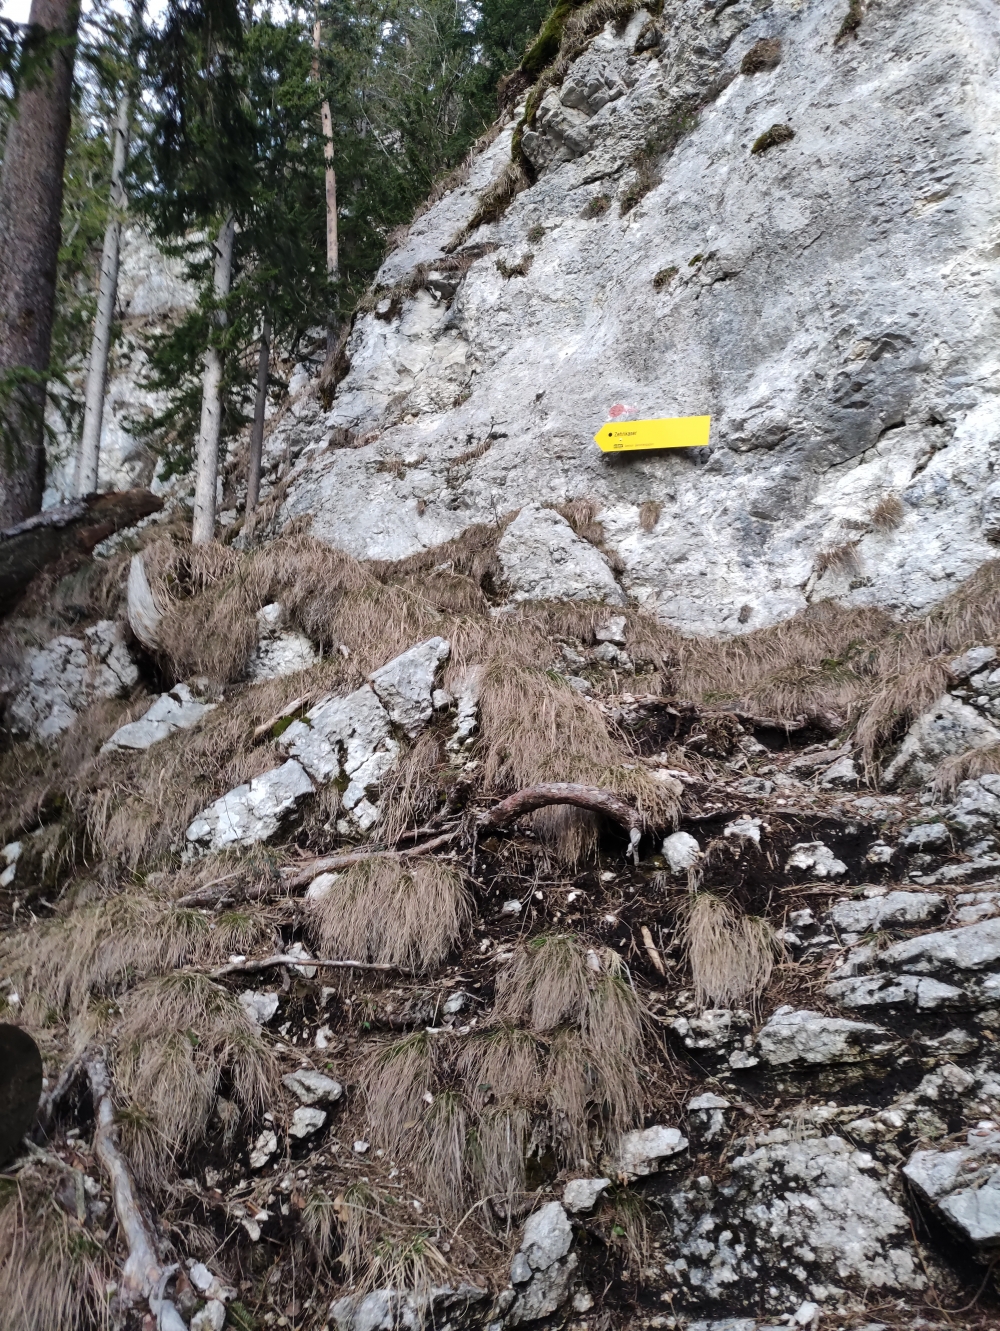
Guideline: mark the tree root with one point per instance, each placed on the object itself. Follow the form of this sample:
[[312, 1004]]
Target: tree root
[[283, 959], [144, 1276]]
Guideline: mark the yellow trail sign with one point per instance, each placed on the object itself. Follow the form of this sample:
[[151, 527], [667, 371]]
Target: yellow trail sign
[[671, 432]]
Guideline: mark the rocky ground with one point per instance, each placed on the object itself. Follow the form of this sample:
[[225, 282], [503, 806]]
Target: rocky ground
[[380, 1046]]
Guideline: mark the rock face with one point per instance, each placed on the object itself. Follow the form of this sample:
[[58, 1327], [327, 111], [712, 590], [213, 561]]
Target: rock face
[[66, 675], [252, 812], [964, 1186], [405, 686], [176, 710], [544, 560], [809, 1038], [948, 728], [827, 393]]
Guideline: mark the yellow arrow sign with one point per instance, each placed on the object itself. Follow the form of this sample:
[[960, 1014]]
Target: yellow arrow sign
[[672, 432]]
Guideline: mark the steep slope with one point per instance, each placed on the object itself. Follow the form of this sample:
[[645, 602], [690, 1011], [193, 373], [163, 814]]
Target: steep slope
[[831, 301]]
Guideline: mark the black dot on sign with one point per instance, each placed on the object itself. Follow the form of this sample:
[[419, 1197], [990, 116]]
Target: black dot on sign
[[20, 1087]]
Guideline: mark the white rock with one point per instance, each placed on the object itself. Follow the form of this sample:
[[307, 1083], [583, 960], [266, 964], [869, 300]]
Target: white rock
[[708, 1100], [807, 1314], [841, 775], [467, 709], [975, 659], [201, 1277], [681, 850], [811, 1039], [321, 886], [405, 686], [816, 858], [67, 675], [641, 1152], [177, 710], [144, 615], [548, 1235], [612, 630], [543, 559], [210, 1318], [312, 1087], [581, 1194], [744, 827], [300, 950], [971, 948], [305, 1121], [964, 1186], [263, 1148], [281, 654], [866, 914], [253, 812], [259, 1007], [948, 728], [345, 737]]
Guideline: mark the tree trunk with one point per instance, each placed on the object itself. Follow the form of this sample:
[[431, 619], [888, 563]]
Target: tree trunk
[[207, 461], [100, 346], [332, 244], [257, 437], [31, 190]]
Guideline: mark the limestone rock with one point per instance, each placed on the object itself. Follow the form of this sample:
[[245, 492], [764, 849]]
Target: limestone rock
[[964, 1187], [841, 775], [894, 908], [543, 559], [810, 1039], [926, 836], [548, 1235], [581, 1194], [280, 651], [252, 812], [405, 686], [311, 1087], [212, 1317], [681, 850], [259, 1007], [816, 859], [65, 676], [177, 710], [408, 1310], [643, 1151], [970, 948], [305, 1121], [972, 661], [352, 735], [948, 728]]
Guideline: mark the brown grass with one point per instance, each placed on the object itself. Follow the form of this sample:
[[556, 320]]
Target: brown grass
[[764, 54], [179, 1035], [731, 955], [966, 766], [360, 1218], [842, 558], [649, 514], [389, 910], [396, 1080], [888, 513], [52, 1269], [547, 983], [415, 788]]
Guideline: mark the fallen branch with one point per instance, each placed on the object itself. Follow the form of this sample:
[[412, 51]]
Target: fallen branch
[[73, 528], [283, 959], [143, 1276], [288, 710], [301, 877], [565, 792]]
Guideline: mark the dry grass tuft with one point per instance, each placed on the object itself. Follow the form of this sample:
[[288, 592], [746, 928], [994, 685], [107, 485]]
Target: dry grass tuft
[[547, 983], [731, 955], [442, 1154], [498, 195], [411, 1262], [397, 1081], [966, 767], [649, 512], [100, 949], [179, 1035], [842, 558], [393, 911], [888, 513], [415, 788], [52, 1270], [360, 1216], [319, 1220], [573, 834]]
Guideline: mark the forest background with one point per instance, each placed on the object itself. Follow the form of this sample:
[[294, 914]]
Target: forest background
[[226, 118]]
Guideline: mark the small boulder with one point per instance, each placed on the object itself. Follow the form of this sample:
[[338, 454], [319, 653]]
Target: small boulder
[[548, 1235], [948, 728], [643, 1151], [964, 1187], [894, 908], [543, 559], [305, 1121], [817, 859], [681, 850], [253, 812], [581, 1194], [312, 1087], [971, 662], [259, 1007], [176, 710], [811, 1039], [841, 775], [405, 686]]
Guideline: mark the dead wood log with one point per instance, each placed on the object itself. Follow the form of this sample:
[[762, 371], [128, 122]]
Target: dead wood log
[[73, 528], [565, 792], [144, 1276]]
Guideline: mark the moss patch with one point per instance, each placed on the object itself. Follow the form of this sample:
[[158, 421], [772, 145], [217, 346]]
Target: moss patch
[[772, 137], [664, 277], [519, 269], [852, 21]]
